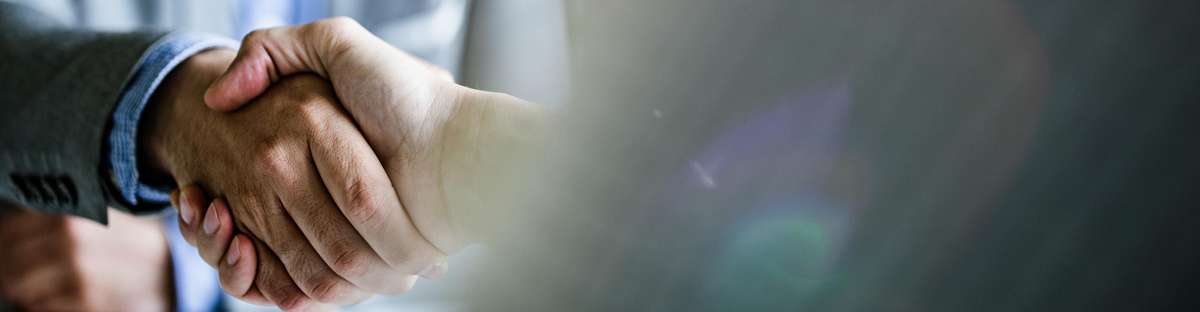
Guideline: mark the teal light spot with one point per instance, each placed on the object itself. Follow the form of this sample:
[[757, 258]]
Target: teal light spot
[[772, 264]]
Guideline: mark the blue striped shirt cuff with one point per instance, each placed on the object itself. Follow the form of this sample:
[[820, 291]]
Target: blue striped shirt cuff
[[153, 67]]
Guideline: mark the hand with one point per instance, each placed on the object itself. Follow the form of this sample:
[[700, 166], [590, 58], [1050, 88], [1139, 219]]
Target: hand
[[297, 177], [451, 152], [66, 263]]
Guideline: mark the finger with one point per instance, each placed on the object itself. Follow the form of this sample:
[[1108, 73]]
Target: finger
[[334, 238], [301, 261], [247, 77], [190, 199], [217, 231], [237, 271], [238, 268], [264, 56], [255, 297], [367, 198], [174, 198], [274, 282], [268, 54]]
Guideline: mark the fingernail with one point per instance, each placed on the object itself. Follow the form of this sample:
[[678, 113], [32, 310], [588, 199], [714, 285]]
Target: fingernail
[[175, 198], [185, 207], [434, 270], [231, 257], [210, 219]]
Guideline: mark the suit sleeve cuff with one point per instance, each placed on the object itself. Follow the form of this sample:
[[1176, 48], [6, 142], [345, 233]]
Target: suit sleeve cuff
[[150, 70]]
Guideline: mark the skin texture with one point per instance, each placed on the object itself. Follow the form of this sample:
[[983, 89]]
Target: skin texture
[[292, 173], [411, 103], [66, 263], [427, 184], [445, 147], [449, 151]]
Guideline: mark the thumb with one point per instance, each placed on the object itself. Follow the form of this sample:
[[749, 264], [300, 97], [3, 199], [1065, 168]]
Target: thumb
[[251, 72], [264, 57]]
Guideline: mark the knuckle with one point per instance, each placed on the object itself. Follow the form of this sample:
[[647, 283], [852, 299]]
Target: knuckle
[[292, 300], [350, 263], [361, 206], [328, 289], [272, 280], [313, 112], [257, 35], [273, 158], [284, 248], [361, 200], [256, 214], [280, 290]]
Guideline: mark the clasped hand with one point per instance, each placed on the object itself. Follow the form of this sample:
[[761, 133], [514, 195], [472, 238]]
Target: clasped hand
[[327, 165]]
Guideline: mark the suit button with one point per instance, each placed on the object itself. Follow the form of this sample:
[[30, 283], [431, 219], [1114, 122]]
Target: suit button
[[56, 188], [51, 190], [23, 184], [71, 196], [45, 195]]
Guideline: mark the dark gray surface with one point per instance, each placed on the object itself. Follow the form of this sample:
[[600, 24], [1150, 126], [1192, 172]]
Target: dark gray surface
[[995, 156]]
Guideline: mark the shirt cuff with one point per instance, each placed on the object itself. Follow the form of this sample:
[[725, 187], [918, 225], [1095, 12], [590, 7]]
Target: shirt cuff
[[150, 70], [196, 285]]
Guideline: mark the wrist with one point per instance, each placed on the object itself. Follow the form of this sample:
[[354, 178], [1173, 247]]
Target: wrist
[[174, 108], [491, 145]]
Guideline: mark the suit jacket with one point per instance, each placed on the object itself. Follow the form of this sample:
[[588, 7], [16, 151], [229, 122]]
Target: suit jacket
[[58, 88], [60, 83]]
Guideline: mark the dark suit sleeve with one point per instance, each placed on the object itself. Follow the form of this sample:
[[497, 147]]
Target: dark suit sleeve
[[58, 89]]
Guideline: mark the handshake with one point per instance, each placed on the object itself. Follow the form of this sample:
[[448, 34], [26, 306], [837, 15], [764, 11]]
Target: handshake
[[321, 165]]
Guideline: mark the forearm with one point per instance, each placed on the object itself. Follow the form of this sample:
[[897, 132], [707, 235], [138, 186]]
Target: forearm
[[177, 104], [160, 62], [493, 145]]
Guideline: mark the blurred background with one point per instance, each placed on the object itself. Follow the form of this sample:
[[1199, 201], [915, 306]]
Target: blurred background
[[774, 155]]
